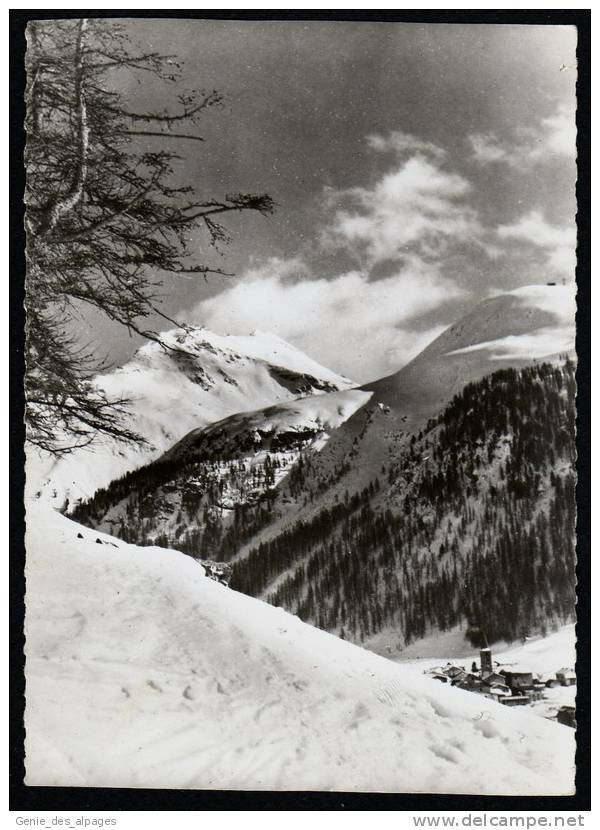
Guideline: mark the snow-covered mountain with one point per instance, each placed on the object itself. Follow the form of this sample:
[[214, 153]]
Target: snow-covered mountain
[[197, 378], [141, 672], [346, 506], [508, 330]]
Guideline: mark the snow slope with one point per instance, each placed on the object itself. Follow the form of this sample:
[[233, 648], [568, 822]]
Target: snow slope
[[202, 378], [558, 336], [141, 672]]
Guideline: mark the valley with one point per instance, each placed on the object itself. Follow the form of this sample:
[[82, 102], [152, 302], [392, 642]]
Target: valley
[[438, 496]]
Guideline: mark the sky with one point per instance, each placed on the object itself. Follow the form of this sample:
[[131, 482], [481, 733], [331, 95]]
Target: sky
[[417, 169]]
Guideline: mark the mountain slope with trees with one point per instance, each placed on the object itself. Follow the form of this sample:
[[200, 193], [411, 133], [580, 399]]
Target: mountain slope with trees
[[472, 525], [208, 493]]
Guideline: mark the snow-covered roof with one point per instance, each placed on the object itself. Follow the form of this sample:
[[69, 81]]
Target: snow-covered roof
[[566, 673]]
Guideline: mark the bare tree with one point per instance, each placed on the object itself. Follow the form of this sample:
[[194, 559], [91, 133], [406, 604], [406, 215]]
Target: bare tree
[[104, 217]]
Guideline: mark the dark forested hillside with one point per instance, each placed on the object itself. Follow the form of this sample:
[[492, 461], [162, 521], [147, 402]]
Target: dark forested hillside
[[205, 504], [473, 524]]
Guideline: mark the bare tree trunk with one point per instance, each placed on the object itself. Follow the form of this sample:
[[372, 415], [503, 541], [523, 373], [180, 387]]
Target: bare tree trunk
[[34, 69], [54, 210]]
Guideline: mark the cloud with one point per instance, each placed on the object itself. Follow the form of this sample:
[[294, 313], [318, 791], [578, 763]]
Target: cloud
[[280, 269], [416, 219], [554, 136], [416, 209], [561, 132], [487, 148], [361, 328], [400, 142], [558, 244]]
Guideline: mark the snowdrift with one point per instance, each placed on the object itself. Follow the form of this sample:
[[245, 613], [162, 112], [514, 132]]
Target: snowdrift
[[142, 672]]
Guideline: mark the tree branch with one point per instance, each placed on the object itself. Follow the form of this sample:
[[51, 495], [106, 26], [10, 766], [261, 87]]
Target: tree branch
[[160, 135], [209, 100]]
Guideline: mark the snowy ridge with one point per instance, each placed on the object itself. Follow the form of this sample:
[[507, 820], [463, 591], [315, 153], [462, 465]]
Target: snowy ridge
[[520, 326], [559, 302], [143, 673], [318, 414]]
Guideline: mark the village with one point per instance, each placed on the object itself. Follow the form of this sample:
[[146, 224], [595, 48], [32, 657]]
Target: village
[[514, 685]]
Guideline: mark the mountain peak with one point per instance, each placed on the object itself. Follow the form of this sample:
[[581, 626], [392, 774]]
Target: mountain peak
[[509, 328], [258, 346]]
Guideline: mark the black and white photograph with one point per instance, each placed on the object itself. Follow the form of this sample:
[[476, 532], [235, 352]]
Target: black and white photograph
[[300, 421]]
